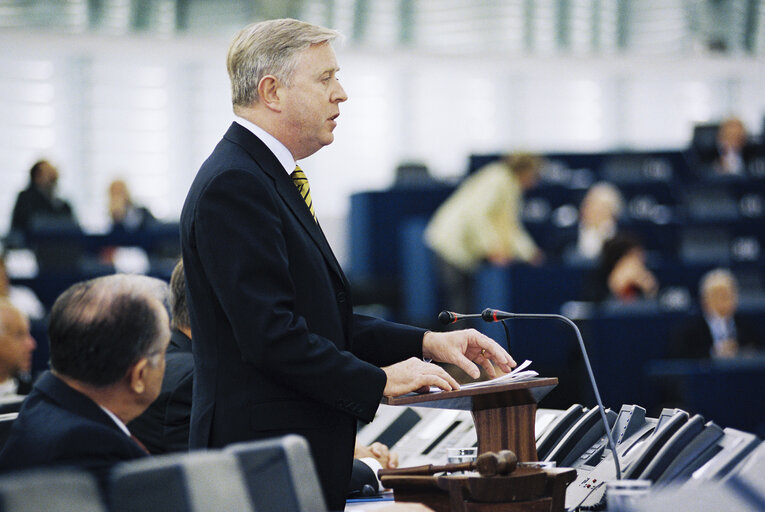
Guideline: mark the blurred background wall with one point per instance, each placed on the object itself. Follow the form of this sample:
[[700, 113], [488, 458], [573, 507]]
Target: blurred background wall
[[137, 89]]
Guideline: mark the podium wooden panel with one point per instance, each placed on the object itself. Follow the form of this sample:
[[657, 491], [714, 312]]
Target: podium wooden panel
[[504, 414]]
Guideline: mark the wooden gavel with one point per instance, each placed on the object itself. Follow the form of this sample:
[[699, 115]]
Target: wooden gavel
[[487, 464]]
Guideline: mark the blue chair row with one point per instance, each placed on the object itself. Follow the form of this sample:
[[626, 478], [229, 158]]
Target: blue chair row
[[274, 475]]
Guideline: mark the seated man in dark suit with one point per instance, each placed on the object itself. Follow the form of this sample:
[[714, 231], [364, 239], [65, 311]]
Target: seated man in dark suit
[[719, 331], [16, 347], [39, 199], [164, 426], [108, 338]]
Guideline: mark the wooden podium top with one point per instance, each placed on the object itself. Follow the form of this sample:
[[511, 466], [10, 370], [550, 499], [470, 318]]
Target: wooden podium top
[[512, 393]]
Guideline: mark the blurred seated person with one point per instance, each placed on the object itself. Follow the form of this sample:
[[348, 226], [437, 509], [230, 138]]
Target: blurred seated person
[[598, 217], [39, 199], [108, 338], [481, 222], [164, 426], [22, 297], [124, 214], [16, 347], [734, 149], [621, 274], [718, 332], [729, 156]]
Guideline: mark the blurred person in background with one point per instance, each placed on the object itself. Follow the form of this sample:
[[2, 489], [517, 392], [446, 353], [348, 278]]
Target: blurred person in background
[[621, 274], [22, 297], [16, 348], [734, 151], [39, 199], [599, 214], [719, 331], [481, 222], [123, 212]]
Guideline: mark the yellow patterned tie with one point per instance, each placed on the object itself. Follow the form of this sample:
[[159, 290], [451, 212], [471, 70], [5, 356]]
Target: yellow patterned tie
[[301, 182]]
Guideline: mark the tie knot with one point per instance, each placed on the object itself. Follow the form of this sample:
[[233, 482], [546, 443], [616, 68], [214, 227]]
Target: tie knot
[[298, 174]]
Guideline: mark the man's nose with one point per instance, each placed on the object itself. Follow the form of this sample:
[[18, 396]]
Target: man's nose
[[340, 95], [31, 343]]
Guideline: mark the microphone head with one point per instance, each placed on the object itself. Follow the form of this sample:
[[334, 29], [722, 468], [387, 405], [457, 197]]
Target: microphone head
[[446, 317], [487, 315]]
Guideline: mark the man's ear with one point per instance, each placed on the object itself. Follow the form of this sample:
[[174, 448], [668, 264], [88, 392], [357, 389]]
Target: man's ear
[[137, 376], [269, 92]]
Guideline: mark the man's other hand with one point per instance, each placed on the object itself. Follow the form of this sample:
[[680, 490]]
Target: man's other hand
[[379, 452], [416, 375], [467, 349]]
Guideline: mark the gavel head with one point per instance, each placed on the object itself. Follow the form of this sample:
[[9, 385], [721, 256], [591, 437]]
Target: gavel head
[[501, 463]]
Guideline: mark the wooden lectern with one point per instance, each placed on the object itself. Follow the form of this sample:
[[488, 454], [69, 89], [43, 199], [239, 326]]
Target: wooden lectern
[[504, 414]]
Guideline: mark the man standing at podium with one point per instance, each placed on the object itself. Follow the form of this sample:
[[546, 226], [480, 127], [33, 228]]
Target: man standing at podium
[[276, 344]]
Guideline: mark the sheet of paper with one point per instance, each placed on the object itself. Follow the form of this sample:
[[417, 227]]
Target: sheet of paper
[[519, 373]]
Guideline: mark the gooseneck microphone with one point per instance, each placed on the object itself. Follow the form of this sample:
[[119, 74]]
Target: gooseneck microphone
[[495, 315], [449, 317]]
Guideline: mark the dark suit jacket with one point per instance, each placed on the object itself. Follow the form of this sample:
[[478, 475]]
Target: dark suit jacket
[[693, 340], [277, 347], [59, 426], [31, 203], [164, 426]]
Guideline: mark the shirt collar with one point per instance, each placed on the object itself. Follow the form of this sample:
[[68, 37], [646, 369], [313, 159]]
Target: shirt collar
[[279, 150], [116, 420], [8, 387]]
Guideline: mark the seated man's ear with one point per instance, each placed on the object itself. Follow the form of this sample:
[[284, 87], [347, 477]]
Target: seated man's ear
[[137, 376]]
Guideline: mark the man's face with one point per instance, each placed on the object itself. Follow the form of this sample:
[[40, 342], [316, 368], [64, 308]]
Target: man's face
[[312, 102], [732, 134], [16, 344], [721, 300]]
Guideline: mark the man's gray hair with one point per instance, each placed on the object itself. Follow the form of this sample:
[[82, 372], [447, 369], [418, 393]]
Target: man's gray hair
[[717, 277], [269, 48]]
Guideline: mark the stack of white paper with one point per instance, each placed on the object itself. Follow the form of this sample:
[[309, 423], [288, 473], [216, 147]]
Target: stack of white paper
[[518, 374]]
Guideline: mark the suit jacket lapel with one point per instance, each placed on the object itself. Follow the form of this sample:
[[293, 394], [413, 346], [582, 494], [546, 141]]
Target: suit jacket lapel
[[71, 399], [266, 160]]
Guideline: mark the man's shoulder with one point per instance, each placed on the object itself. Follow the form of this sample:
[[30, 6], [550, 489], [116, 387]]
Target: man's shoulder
[[46, 431]]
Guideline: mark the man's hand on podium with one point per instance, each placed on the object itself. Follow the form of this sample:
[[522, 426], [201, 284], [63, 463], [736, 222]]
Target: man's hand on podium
[[416, 375], [467, 349]]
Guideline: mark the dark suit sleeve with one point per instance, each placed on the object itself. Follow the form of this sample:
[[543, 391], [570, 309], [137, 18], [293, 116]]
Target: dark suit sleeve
[[384, 343], [244, 244]]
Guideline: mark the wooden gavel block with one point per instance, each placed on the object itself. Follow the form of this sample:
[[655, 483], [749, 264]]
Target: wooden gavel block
[[503, 462], [524, 489]]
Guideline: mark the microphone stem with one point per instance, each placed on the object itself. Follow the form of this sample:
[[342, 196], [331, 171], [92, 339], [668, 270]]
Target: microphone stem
[[611, 443], [507, 335]]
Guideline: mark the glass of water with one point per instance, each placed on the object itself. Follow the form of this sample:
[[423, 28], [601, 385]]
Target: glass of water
[[458, 455]]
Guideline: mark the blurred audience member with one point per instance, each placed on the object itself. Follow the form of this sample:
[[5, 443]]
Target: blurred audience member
[[719, 331], [16, 347], [124, 214], [108, 338], [481, 222], [726, 152], [598, 217], [621, 274], [734, 150], [39, 199], [22, 297]]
